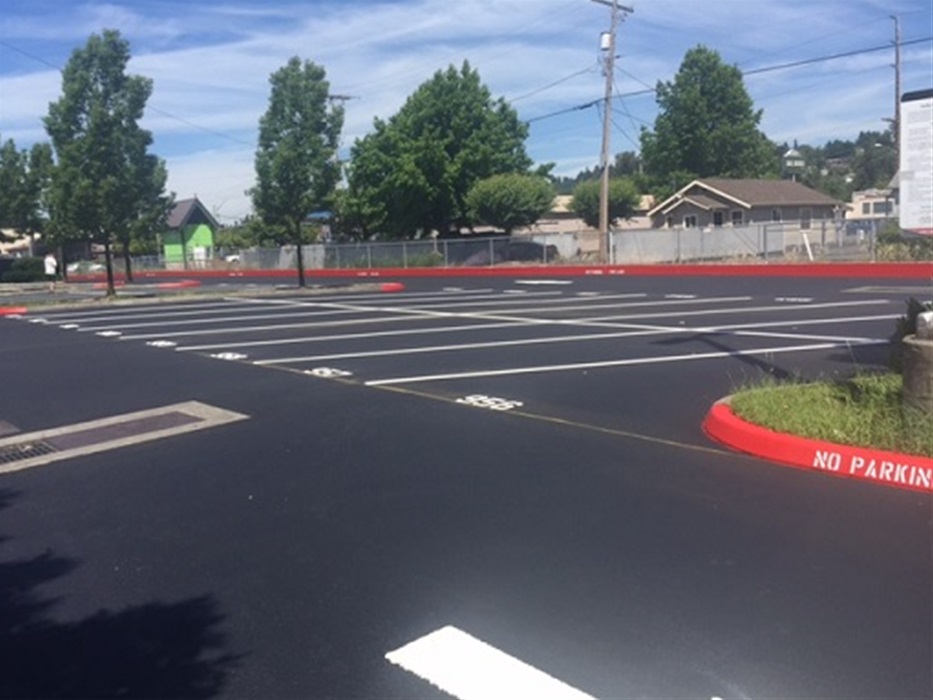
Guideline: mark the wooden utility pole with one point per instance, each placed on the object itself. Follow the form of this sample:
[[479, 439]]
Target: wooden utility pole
[[609, 47]]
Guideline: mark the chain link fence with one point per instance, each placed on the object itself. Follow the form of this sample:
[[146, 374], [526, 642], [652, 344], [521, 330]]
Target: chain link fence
[[824, 241]]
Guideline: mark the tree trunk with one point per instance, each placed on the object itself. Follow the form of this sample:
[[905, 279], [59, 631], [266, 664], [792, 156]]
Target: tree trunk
[[128, 266], [62, 264], [301, 260], [108, 259]]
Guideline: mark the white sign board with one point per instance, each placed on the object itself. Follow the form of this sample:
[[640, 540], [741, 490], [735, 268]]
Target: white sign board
[[916, 166]]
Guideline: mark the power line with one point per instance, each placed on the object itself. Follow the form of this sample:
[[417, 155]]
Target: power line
[[833, 57], [588, 69], [756, 71], [156, 110]]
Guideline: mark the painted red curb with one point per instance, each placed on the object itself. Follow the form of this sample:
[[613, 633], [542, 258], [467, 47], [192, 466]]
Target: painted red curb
[[183, 284], [922, 270], [12, 310], [888, 468]]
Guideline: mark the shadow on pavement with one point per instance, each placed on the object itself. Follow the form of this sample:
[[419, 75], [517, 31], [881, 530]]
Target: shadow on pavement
[[157, 650]]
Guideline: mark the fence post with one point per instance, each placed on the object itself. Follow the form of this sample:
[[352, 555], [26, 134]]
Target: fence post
[[369, 256], [446, 257], [404, 255], [492, 254]]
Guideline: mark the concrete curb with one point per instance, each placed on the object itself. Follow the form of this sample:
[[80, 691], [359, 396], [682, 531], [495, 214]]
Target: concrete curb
[[902, 471]]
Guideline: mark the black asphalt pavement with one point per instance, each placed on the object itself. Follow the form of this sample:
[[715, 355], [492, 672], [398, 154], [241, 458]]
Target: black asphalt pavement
[[523, 462]]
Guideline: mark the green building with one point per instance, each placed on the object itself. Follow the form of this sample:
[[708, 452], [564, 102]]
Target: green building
[[189, 241]]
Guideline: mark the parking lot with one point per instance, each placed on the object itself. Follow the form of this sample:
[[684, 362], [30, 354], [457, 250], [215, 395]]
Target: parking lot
[[517, 460]]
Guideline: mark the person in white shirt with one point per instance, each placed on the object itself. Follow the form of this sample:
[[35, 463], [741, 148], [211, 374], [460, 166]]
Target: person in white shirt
[[51, 270]]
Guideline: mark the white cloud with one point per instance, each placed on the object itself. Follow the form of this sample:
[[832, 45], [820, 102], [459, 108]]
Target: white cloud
[[218, 177], [210, 63]]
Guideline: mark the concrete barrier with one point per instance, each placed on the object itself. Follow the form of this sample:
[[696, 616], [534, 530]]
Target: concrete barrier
[[918, 373]]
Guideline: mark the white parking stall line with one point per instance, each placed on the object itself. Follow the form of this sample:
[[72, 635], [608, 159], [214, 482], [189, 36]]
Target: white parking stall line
[[348, 336], [643, 330], [228, 305], [742, 310], [469, 669], [402, 313], [281, 326], [543, 282], [541, 369], [613, 320], [586, 303], [441, 299], [533, 320], [132, 310], [807, 322], [226, 319], [553, 340], [159, 311]]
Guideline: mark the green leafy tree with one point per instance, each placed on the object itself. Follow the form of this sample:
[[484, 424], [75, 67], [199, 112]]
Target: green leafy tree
[[104, 185], [875, 160], [296, 161], [623, 200], [24, 181], [706, 125], [510, 201], [413, 173]]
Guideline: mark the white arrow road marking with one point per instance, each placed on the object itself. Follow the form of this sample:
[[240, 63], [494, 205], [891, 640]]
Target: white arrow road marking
[[470, 669]]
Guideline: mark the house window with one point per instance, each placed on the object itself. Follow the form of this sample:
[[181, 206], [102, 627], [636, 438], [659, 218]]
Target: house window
[[881, 208], [717, 218], [805, 216], [776, 215], [866, 208], [670, 222], [737, 217], [690, 221]]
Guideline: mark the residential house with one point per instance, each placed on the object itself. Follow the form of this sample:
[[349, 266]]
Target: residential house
[[720, 202], [14, 244], [190, 235], [872, 204]]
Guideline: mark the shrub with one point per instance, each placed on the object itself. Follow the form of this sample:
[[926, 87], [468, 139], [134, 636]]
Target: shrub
[[25, 270]]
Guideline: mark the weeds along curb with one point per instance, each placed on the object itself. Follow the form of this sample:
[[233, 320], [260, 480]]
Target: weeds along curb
[[911, 472]]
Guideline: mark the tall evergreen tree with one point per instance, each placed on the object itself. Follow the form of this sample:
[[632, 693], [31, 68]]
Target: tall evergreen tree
[[104, 182], [296, 162], [24, 181], [706, 126]]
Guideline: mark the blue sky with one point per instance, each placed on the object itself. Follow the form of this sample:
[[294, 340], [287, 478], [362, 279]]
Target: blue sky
[[210, 62]]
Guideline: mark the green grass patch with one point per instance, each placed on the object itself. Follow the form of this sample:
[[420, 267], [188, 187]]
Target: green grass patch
[[865, 411]]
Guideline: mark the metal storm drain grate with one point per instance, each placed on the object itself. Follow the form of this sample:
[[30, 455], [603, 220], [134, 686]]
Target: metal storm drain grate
[[25, 450]]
